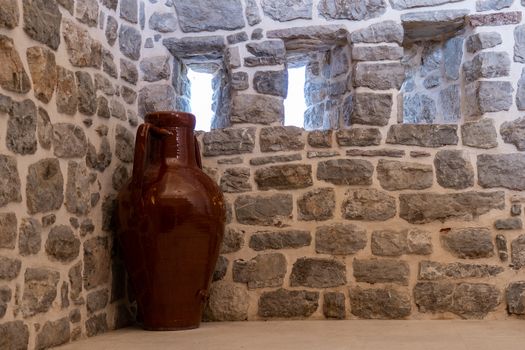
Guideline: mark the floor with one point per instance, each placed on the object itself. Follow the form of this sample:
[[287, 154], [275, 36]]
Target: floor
[[310, 335]]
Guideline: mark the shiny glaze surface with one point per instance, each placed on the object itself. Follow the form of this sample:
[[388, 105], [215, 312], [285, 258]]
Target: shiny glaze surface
[[171, 224]]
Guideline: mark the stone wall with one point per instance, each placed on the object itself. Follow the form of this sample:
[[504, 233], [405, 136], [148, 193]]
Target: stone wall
[[402, 199], [68, 112]]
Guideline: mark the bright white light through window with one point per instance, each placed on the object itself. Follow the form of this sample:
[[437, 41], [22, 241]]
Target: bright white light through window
[[201, 99], [294, 104]]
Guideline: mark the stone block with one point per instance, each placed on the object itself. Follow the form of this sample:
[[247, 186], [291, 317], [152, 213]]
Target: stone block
[[318, 273], [396, 175], [432, 270], [368, 205], [379, 76], [257, 109], [483, 40], [334, 305], [468, 243], [288, 303], [228, 141], [453, 169], [428, 25], [381, 271], [228, 302], [269, 210], [382, 32], [264, 270], [340, 239], [346, 171], [481, 134], [432, 135], [287, 239], [371, 109], [40, 290], [379, 303], [488, 96], [282, 177], [419, 208], [281, 138], [236, 180], [487, 65], [332, 9], [501, 170], [318, 205]]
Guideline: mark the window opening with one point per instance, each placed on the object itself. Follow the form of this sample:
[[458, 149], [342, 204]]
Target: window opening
[[294, 104], [201, 98]]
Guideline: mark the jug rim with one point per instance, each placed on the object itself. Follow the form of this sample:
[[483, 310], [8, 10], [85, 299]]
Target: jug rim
[[171, 119]]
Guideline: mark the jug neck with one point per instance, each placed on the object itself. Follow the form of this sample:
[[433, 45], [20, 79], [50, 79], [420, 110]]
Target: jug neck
[[179, 148]]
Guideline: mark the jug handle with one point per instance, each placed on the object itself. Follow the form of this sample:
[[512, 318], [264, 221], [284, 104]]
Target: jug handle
[[141, 152], [197, 152]]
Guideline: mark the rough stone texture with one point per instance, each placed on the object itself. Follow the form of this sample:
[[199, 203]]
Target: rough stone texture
[[62, 244], [5, 298], [82, 49], [9, 13], [480, 134], [354, 11], [346, 171], [281, 138], [9, 180], [163, 22], [285, 176], [75, 281], [256, 109], [495, 19], [271, 83], [30, 236], [45, 186], [228, 302], [487, 5], [99, 160], [508, 224], [501, 170], [206, 15], [381, 271], [468, 300], [518, 252], [488, 96], [371, 109], [42, 21], [228, 141], [288, 303], [387, 31], [263, 210], [40, 290], [419, 108], [53, 333], [96, 325], [69, 141], [519, 44], [130, 73], [452, 54], [155, 68], [376, 53], [288, 10], [320, 138], [395, 175], [265, 270], [21, 128], [96, 262], [487, 65], [44, 129], [379, 76], [419, 208], [199, 48], [368, 205], [453, 169], [318, 273], [233, 240], [87, 12], [483, 40], [66, 96], [42, 67], [397, 243], [87, 103], [8, 230], [9, 268], [14, 335], [97, 300], [130, 41], [340, 239], [515, 298], [450, 101], [275, 159], [513, 132], [111, 30], [431, 135], [236, 180], [428, 25], [379, 303], [220, 269], [334, 305], [124, 144], [431, 270], [468, 243], [317, 205], [286, 239], [154, 98]]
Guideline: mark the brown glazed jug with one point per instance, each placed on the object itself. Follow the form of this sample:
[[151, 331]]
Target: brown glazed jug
[[170, 223]]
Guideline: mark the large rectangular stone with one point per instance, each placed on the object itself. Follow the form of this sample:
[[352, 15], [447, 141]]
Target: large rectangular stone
[[284, 177], [502, 170], [424, 135], [379, 76], [264, 210], [420, 208], [256, 109], [228, 141]]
